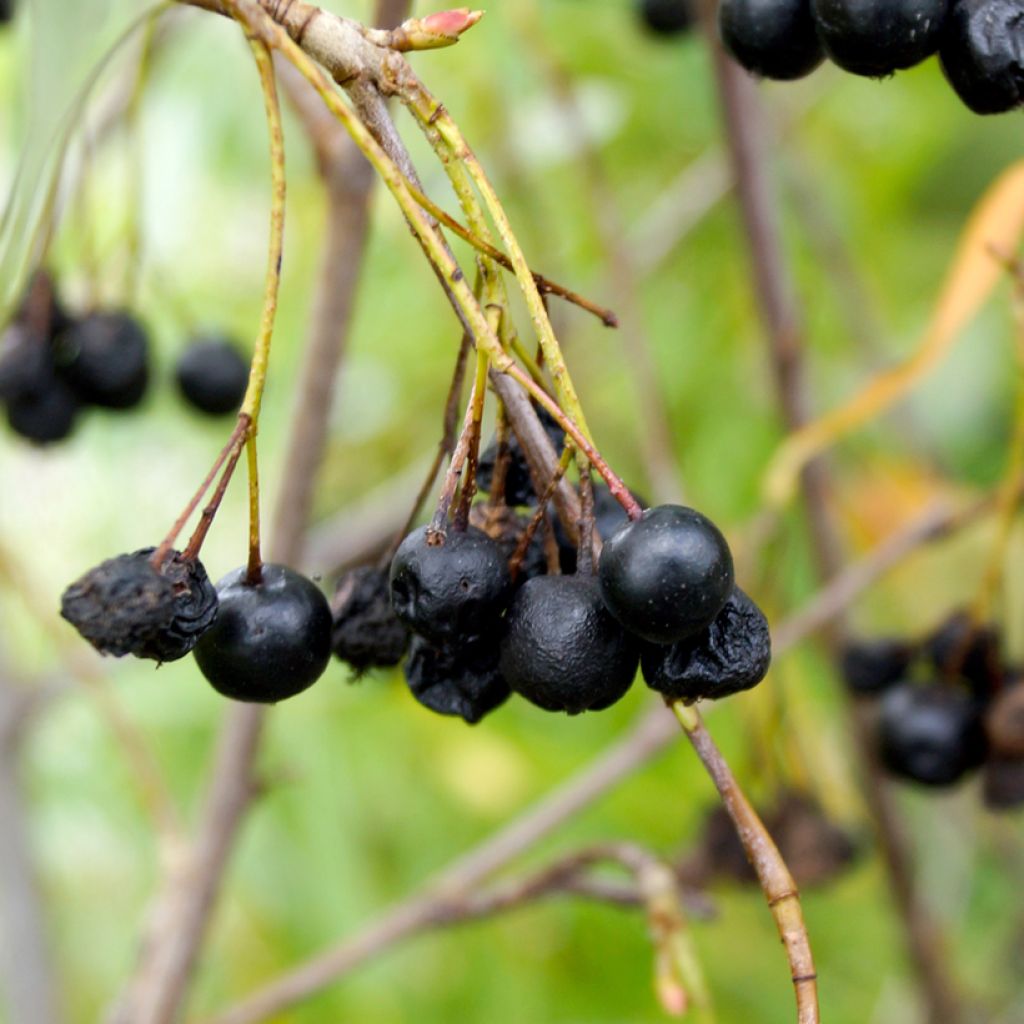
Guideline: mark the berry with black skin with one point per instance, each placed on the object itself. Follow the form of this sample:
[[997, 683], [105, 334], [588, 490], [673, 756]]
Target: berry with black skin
[[6, 11], [877, 37], [982, 54], [931, 734], [44, 414], [1002, 783], [1004, 722], [367, 633], [771, 38], [871, 666], [518, 482], [609, 518], [666, 576], [270, 640], [731, 655], [126, 606], [456, 679], [212, 375], [666, 17], [562, 650], [959, 649], [107, 359], [449, 586]]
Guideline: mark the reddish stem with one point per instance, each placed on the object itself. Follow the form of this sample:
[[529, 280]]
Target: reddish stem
[[195, 542]]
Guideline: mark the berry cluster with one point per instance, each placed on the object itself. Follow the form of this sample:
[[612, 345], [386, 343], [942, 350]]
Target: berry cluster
[[946, 705]]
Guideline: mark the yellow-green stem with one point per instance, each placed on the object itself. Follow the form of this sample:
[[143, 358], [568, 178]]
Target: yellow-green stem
[[254, 570]]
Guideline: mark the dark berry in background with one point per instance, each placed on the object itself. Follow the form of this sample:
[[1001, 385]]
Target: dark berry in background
[[451, 586], [666, 576], [666, 17], [731, 655], [212, 375], [871, 666], [982, 54], [106, 359], [1004, 722], [771, 38], [1002, 783], [518, 482], [45, 413], [960, 649], [456, 679], [562, 650], [269, 641], [126, 606], [367, 633], [930, 733], [6, 10], [609, 518], [877, 37]]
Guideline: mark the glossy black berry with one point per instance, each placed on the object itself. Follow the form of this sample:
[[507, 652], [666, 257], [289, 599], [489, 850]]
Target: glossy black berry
[[562, 650], [982, 54], [107, 359], [731, 655], [930, 734], [126, 606], [666, 17], [269, 641], [771, 38], [960, 649], [212, 375], [667, 575], [518, 488], [871, 666], [1002, 783], [877, 37], [367, 633], [451, 586], [456, 679]]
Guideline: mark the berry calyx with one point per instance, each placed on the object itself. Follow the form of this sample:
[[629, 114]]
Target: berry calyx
[[456, 679], [270, 640], [562, 650], [367, 633], [666, 576], [771, 38], [107, 359], [212, 375]]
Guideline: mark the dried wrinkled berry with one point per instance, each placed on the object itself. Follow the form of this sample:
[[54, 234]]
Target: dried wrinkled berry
[[982, 54], [871, 666], [367, 633], [125, 606], [731, 655], [518, 482], [456, 679]]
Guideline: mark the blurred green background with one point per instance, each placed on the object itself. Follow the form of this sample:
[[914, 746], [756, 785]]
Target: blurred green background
[[369, 794]]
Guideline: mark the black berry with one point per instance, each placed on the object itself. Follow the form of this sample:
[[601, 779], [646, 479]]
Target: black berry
[[877, 37], [666, 17], [107, 359], [1004, 722], [456, 679], [6, 10], [982, 54], [609, 518], [731, 655], [367, 633], [212, 375], [562, 650], [667, 575], [771, 38], [269, 641], [930, 734], [126, 606], [450, 586], [960, 649], [45, 413], [871, 666]]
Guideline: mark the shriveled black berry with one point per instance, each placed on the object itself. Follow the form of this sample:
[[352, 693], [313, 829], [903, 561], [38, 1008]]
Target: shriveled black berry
[[771, 38], [44, 414], [1004, 722], [452, 586], [982, 54], [609, 518], [212, 375], [1002, 783], [877, 37], [667, 575], [456, 679], [731, 655], [506, 527], [367, 633], [931, 733], [518, 482], [107, 359], [126, 606], [666, 17], [959, 649], [562, 650], [269, 641], [871, 666]]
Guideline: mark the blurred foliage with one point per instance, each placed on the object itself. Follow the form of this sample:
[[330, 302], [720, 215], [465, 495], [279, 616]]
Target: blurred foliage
[[369, 793]]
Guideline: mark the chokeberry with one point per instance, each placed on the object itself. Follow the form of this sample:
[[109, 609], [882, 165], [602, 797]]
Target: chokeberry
[[456, 678], [1004, 722], [562, 650], [518, 487], [877, 37], [982, 54], [6, 10], [1002, 783], [212, 375], [961, 649], [107, 359], [127, 606], [666, 17], [771, 38], [451, 585], [930, 733], [667, 575], [44, 414], [731, 655], [871, 666], [367, 633], [270, 640]]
